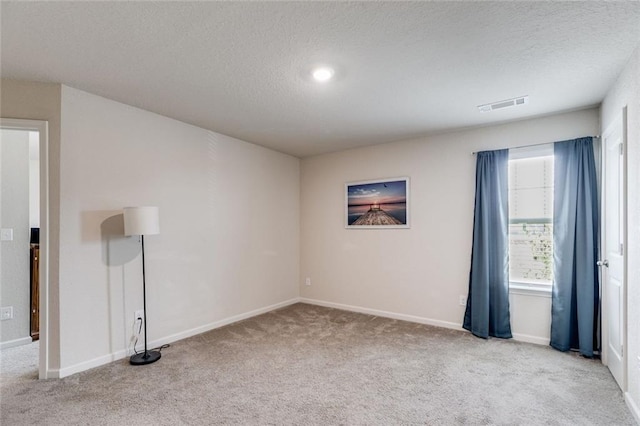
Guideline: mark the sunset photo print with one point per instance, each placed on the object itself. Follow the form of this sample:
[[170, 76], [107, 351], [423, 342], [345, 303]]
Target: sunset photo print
[[382, 203]]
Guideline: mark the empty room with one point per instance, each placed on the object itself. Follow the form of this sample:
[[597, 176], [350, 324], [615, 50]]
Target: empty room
[[354, 213]]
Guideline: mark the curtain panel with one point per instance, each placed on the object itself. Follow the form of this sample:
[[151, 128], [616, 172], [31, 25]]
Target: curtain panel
[[574, 304], [487, 311]]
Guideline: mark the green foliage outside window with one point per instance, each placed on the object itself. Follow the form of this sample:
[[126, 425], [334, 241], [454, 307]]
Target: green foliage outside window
[[540, 240]]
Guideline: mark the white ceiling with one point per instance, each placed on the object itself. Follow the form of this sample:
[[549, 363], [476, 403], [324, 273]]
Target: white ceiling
[[403, 69]]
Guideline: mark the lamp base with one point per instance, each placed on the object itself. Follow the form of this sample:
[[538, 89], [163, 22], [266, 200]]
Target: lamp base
[[143, 358]]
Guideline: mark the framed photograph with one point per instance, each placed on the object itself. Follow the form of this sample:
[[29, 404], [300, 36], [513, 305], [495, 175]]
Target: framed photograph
[[375, 204]]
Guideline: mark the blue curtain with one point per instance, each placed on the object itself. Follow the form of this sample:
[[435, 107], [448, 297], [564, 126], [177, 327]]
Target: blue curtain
[[574, 304], [487, 312]]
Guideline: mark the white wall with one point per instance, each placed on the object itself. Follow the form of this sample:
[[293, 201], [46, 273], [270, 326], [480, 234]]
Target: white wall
[[417, 273], [229, 241], [14, 263], [626, 92]]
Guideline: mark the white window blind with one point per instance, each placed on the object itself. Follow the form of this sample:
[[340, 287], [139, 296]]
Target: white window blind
[[531, 220]]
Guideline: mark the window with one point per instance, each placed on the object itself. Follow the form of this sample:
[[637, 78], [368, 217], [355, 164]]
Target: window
[[531, 217]]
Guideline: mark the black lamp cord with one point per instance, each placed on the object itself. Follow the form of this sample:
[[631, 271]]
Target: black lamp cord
[[159, 348]]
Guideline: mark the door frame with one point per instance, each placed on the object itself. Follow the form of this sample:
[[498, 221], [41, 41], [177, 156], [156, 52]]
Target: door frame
[[619, 120], [42, 127]]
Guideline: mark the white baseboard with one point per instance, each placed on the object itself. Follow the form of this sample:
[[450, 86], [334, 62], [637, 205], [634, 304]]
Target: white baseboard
[[221, 323], [412, 318], [106, 359], [17, 342], [544, 341], [52, 373], [385, 314], [86, 365], [633, 407]]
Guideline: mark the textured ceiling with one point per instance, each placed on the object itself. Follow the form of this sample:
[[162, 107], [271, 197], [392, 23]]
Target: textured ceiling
[[403, 69]]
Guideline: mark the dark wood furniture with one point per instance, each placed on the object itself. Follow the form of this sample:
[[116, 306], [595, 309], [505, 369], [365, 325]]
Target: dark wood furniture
[[35, 294]]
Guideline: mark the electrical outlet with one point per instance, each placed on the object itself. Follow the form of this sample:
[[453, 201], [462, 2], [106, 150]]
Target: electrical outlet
[[307, 281], [6, 313], [6, 234], [463, 300], [139, 314]]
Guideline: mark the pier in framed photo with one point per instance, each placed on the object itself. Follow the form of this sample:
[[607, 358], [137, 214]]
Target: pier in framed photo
[[381, 203]]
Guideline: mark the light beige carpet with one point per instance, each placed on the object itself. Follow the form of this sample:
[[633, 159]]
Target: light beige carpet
[[307, 365], [19, 364]]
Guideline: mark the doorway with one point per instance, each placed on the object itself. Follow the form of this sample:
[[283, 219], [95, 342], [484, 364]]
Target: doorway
[[24, 251]]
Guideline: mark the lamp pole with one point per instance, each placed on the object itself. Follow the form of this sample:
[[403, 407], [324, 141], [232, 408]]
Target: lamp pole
[[147, 357]]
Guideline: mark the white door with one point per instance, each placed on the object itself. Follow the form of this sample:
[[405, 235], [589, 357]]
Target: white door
[[613, 250]]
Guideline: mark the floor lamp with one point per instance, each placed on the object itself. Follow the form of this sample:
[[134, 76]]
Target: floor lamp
[[142, 221]]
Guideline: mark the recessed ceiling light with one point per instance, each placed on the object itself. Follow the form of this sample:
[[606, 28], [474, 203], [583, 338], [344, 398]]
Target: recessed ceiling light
[[322, 74]]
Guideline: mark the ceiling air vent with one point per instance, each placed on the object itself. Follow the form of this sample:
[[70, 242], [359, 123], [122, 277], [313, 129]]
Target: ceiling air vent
[[504, 104]]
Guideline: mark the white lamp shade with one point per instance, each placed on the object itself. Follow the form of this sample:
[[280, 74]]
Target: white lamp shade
[[141, 220]]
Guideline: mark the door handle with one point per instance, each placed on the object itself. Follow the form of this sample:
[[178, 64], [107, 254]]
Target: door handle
[[603, 263]]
